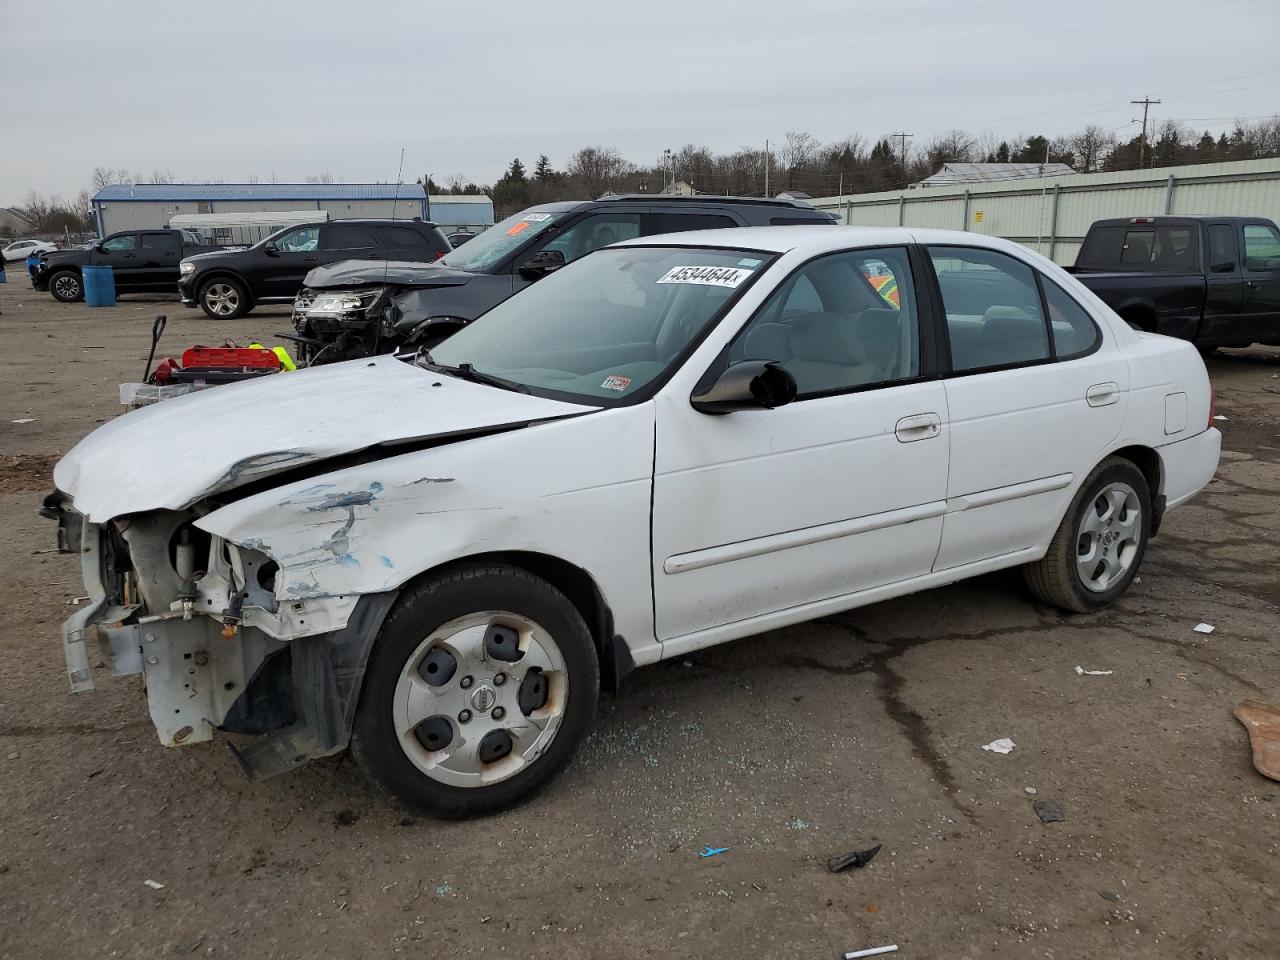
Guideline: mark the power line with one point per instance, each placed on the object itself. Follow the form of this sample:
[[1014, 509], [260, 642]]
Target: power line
[[1146, 103], [902, 138]]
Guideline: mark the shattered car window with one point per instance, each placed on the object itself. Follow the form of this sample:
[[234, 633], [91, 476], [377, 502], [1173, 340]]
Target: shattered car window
[[607, 325], [500, 239]]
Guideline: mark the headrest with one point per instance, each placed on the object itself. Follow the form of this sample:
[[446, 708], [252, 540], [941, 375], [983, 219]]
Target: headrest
[[768, 341], [827, 338]]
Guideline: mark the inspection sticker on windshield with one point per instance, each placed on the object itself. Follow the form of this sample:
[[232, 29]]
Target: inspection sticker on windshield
[[707, 276], [615, 382], [536, 217]]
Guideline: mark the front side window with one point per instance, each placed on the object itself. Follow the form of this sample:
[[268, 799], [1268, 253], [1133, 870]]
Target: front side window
[[592, 233], [1074, 332], [832, 326], [1261, 248], [301, 240], [501, 239], [994, 317], [608, 326], [119, 244]]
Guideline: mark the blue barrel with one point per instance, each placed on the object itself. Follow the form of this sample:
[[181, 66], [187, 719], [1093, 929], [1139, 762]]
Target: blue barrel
[[99, 286], [3, 278]]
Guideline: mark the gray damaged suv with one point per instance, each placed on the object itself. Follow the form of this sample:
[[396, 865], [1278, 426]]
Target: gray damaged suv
[[359, 308]]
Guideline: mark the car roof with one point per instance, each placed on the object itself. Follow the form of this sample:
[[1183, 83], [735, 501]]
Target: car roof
[[707, 198], [1174, 218], [817, 239]]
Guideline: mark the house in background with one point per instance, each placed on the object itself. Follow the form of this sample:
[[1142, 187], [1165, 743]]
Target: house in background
[[958, 174], [13, 223]]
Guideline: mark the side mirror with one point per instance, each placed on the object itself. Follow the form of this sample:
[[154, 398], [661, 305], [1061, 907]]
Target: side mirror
[[542, 263], [748, 385], [100, 247], [270, 248]]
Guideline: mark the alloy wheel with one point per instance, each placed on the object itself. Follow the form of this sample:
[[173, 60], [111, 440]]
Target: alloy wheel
[[222, 299], [1109, 537]]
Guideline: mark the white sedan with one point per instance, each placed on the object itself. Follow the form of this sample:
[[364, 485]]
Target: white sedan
[[21, 249], [668, 444]]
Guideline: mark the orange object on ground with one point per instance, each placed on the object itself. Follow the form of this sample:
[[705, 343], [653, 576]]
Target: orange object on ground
[[1263, 723]]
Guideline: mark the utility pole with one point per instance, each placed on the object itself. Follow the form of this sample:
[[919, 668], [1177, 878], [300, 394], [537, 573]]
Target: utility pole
[[902, 140], [1146, 103], [766, 168]]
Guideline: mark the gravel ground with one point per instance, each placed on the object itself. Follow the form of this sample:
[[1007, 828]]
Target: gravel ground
[[787, 748]]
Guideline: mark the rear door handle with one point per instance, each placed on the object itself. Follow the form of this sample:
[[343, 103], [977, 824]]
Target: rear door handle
[[920, 426], [1102, 394]]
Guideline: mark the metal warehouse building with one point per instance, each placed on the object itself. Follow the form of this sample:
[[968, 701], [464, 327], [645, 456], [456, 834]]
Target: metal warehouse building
[[143, 206], [1052, 214]]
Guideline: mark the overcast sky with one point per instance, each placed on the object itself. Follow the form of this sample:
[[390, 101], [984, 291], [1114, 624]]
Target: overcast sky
[[230, 89]]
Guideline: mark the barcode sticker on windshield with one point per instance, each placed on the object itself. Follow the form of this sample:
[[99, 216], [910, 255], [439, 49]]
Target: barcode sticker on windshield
[[536, 217], [707, 276]]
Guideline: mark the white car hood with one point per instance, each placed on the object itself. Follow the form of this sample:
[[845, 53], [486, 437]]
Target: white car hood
[[171, 454]]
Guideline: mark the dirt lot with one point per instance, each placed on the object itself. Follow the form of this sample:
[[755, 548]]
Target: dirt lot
[[787, 748]]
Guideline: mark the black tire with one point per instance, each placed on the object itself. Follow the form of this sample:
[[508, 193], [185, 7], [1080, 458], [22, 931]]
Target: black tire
[[436, 601], [1055, 579], [224, 294], [67, 286]]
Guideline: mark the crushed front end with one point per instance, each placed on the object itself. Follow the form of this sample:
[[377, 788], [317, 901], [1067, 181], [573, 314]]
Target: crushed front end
[[335, 325], [197, 616]]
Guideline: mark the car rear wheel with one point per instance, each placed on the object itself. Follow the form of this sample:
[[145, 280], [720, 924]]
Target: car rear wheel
[[480, 687], [1100, 543], [66, 285], [224, 299]]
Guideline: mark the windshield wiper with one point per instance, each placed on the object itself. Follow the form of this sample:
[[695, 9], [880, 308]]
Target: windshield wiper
[[465, 371]]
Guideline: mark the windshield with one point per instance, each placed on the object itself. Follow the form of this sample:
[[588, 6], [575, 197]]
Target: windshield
[[605, 326], [495, 243]]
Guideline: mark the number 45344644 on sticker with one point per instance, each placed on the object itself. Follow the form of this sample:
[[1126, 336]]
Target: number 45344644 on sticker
[[708, 276]]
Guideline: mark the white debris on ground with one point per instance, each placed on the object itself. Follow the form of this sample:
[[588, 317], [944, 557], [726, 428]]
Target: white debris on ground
[[1003, 745], [1204, 628]]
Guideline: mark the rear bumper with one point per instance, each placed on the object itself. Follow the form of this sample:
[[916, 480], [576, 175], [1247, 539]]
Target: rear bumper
[[1188, 465]]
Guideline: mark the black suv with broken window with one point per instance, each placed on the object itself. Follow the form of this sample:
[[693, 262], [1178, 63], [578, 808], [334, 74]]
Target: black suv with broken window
[[361, 308]]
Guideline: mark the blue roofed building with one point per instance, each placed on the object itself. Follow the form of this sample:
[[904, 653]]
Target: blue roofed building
[[142, 206]]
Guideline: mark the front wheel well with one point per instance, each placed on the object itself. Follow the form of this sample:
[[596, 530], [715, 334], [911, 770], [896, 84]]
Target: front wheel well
[[581, 590]]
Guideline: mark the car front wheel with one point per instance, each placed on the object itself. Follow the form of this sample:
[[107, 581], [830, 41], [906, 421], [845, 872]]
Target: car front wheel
[[1100, 543], [481, 685], [224, 299], [66, 286]]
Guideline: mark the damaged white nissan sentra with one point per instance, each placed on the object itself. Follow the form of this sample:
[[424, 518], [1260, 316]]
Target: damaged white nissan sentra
[[670, 443]]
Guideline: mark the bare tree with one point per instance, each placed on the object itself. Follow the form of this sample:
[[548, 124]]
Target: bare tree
[[325, 177], [455, 183], [37, 208], [598, 169], [1089, 146]]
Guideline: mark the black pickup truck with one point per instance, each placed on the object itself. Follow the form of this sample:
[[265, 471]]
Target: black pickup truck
[[1212, 280], [141, 261]]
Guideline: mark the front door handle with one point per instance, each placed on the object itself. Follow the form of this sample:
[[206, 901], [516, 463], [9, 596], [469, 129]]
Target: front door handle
[[1102, 394], [920, 426]]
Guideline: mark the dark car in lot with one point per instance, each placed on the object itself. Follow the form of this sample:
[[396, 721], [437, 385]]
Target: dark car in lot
[[230, 283], [1212, 280], [357, 309], [141, 261]]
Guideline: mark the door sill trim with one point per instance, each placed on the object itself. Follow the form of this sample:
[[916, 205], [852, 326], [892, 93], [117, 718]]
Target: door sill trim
[[801, 613]]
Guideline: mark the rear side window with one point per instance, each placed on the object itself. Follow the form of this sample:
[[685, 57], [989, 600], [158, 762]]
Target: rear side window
[[798, 221], [1139, 247], [679, 222], [994, 317], [1074, 332], [1222, 248], [160, 242], [349, 236], [403, 237]]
